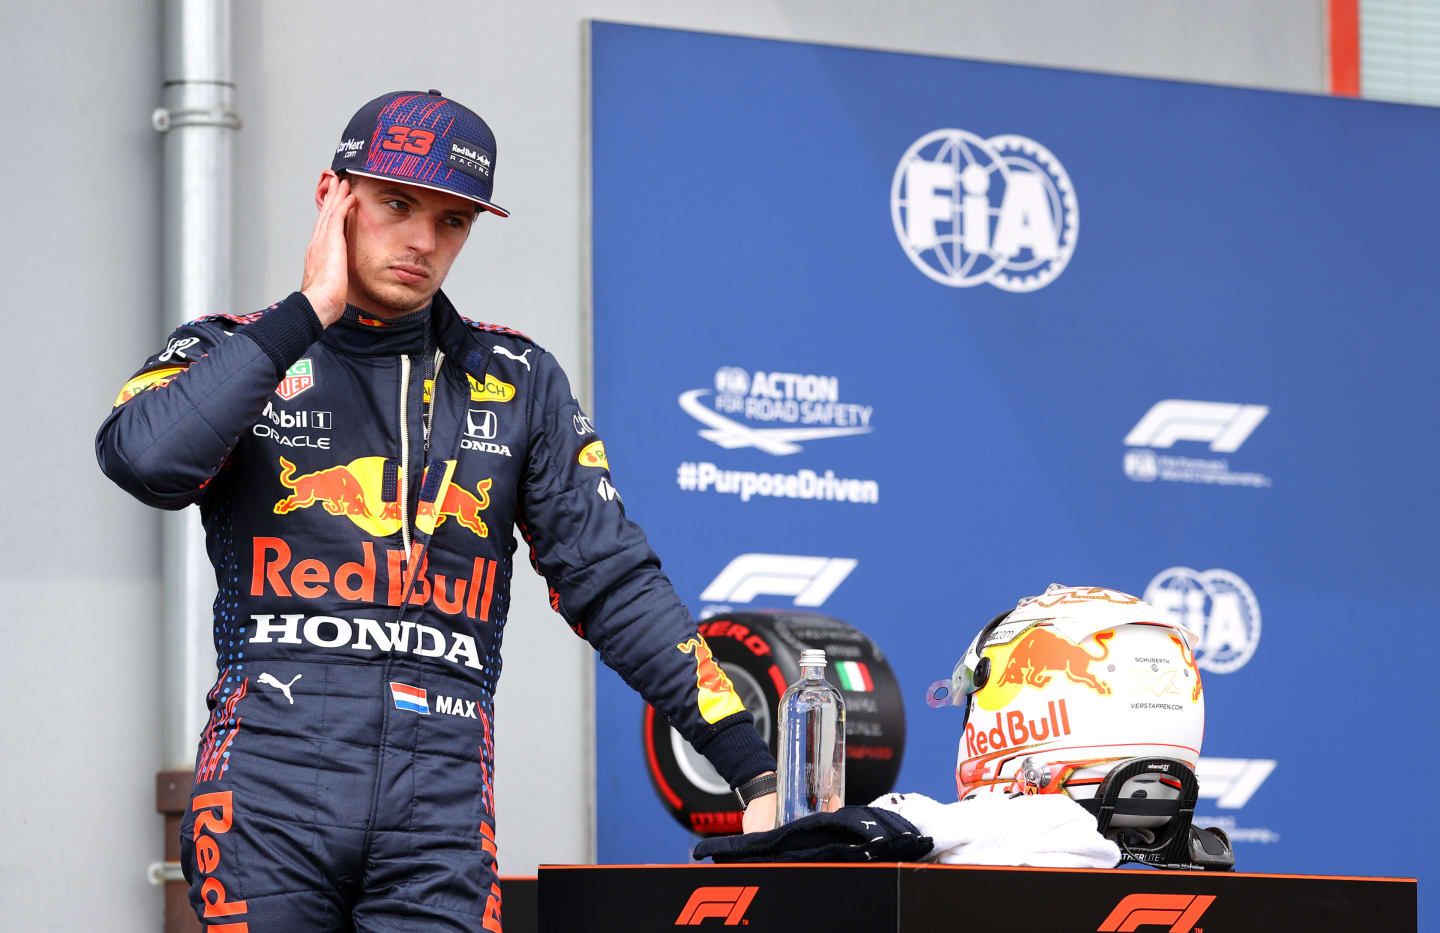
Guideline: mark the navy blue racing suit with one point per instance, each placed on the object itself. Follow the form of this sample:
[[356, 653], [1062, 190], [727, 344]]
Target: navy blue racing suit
[[359, 486]]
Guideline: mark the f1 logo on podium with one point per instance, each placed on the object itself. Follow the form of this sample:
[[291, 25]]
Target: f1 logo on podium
[[1180, 911], [710, 901]]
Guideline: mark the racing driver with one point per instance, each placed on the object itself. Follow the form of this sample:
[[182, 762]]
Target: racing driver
[[361, 454]]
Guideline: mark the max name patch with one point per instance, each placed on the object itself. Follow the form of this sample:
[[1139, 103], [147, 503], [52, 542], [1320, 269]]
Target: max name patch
[[470, 158]]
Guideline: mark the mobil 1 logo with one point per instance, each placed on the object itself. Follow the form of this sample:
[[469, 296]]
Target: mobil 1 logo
[[305, 428]]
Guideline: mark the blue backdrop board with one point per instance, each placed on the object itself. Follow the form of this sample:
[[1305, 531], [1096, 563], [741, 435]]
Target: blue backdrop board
[[978, 328]]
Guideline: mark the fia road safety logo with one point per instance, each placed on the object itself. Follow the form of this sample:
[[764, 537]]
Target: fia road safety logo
[[969, 210], [789, 399]]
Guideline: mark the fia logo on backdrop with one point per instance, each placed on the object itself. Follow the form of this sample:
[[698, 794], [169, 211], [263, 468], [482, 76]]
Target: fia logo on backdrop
[[969, 210], [1218, 606]]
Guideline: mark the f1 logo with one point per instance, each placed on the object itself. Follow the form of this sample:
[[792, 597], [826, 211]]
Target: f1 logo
[[1232, 781], [810, 580], [728, 902], [1138, 910], [1225, 425]]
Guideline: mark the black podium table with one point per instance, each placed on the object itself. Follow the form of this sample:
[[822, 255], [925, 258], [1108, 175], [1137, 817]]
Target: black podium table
[[909, 897]]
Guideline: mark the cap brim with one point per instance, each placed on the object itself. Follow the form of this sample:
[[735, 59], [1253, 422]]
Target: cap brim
[[486, 205]]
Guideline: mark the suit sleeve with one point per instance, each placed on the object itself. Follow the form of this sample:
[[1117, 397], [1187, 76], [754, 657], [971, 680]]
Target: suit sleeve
[[607, 583], [177, 419]]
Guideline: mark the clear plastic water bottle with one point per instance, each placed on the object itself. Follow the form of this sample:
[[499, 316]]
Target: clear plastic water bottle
[[812, 743]]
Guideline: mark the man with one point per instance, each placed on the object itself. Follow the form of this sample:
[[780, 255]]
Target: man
[[359, 516]]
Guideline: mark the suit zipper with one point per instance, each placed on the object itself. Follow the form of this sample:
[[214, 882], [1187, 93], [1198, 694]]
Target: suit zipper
[[405, 456], [434, 391]]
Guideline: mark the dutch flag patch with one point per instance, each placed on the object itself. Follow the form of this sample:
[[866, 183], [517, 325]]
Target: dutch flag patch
[[411, 698]]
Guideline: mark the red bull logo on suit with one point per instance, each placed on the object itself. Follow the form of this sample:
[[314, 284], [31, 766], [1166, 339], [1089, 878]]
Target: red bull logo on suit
[[354, 490]]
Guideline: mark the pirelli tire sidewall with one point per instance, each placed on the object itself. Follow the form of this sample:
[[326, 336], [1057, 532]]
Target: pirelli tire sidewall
[[760, 653]]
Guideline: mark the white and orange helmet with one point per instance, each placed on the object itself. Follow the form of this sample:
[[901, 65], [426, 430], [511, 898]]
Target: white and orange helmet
[[1067, 684]]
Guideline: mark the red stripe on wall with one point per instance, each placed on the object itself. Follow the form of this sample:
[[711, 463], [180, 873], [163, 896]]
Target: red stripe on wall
[[1345, 48]]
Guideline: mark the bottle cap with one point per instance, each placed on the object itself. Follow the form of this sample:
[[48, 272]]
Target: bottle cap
[[812, 657]]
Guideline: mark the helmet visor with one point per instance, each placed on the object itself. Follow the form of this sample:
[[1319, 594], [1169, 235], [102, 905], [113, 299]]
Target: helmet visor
[[968, 676], [963, 682]]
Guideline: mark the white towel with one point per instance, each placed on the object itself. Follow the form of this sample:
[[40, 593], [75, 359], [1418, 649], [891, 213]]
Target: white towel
[[1048, 830]]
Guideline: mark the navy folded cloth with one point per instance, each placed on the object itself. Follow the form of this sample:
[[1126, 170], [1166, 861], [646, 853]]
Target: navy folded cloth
[[850, 834]]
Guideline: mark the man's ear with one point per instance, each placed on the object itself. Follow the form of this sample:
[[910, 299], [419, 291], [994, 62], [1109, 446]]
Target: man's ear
[[322, 187]]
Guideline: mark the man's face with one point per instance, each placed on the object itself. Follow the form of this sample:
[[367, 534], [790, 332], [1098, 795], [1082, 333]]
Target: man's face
[[401, 240]]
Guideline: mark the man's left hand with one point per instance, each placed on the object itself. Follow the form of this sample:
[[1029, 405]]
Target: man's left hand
[[759, 815]]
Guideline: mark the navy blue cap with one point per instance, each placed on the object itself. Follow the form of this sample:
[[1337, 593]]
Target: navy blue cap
[[422, 139]]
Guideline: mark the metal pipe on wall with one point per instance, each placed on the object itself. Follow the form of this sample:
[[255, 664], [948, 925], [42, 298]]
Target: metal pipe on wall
[[199, 127], [199, 123]]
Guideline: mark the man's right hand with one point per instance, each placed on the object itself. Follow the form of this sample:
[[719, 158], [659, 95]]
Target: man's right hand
[[327, 278]]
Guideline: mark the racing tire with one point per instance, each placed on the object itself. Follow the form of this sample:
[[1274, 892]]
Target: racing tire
[[760, 652]]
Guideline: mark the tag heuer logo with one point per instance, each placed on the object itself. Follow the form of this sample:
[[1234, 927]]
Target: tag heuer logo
[[297, 379]]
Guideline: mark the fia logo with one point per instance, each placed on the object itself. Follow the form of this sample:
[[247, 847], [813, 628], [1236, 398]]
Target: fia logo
[[969, 210], [1217, 606]]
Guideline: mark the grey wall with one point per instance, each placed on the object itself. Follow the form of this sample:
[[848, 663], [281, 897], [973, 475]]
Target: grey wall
[[79, 563], [78, 679]]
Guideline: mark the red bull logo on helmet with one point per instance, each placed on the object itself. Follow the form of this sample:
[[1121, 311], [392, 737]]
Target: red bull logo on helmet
[[1012, 729], [1040, 654]]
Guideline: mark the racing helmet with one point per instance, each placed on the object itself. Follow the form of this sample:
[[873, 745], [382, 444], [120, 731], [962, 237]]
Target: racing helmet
[[1066, 685]]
